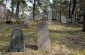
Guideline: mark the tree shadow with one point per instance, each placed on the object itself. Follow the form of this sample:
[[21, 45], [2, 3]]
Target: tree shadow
[[33, 47]]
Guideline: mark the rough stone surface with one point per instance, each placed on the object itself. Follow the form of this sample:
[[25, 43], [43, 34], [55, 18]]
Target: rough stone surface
[[17, 41], [43, 37], [49, 14], [63, 19], [28, 17]]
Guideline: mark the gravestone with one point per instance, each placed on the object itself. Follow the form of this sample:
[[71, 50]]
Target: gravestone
[[73, 19], [63, 19], [3, 10], [49, 14], [28, 17], [17, 41], [81, 20], [44, 43]]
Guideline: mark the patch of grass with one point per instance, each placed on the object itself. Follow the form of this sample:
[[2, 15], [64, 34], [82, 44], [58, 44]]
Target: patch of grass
[[78, 52]]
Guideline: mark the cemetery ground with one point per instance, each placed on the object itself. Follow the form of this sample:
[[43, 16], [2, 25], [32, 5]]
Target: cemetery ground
[[66, 39]]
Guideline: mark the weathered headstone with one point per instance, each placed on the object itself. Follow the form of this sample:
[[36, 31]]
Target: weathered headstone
[[17, 41], [81, 20], [73, 19], [3, 10], [49, 14], [63, 19], [28, 17], [43, 37]]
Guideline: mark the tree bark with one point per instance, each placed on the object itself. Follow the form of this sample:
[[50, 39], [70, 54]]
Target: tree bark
[[53, 14], [73, 10], [74, 5], [12, 7], [34, 9], [17, 9], [84, 19], [69, 9]]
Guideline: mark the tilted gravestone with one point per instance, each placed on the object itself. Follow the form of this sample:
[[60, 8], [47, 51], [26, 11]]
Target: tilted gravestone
[[17, 41], [63, 19], [43, 37]]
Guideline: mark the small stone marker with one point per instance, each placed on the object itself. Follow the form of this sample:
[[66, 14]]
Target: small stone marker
[[43, 37], [63, 19], [17, 41], [81, 20]]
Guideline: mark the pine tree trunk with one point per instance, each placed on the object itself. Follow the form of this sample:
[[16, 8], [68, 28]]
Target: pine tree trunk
[[53, 14], [17, 9], [74, 5], [60, 15], [73, 10], [69, 9], [84, 19], [12, 15], [34, 9]]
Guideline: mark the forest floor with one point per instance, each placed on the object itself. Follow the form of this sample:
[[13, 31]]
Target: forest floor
[[66, 39]]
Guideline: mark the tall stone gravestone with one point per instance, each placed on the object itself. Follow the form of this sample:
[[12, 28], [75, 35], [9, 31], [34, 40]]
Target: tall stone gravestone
[[28, 17], [17, 41], [63, 19], [44, 43], [2, 11], [49, 14]]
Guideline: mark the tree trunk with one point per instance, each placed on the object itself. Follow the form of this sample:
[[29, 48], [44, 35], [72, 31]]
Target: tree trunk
[[17, 9], [12, 7], [74, 5], [69, 9], [84, 20], [12, 15], [60, 15], [53, 14], [73, 10], [34, 9]]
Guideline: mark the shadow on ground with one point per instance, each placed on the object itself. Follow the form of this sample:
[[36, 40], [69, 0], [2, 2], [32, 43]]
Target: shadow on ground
[[33, 47]]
